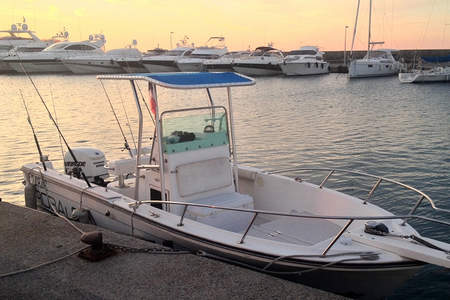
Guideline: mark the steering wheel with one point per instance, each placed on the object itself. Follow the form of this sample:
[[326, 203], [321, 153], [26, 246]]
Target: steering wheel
[[208, 129]]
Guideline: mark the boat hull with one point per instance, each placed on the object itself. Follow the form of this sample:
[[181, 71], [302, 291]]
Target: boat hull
[[258, 69], [302, 68], [5, 67], [132, 66], [368, 280], [364, 69], [161, 66], [39, 66], [93, 67], [422, 78], [190, 67], [227, 67]]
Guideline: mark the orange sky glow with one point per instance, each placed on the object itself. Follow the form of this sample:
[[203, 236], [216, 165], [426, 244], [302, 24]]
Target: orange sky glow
[[288, 24]]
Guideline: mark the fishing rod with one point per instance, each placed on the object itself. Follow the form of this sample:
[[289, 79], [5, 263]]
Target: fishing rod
[[126, 116], [56, 118], [77, 164], [41, 157], [126, 145]]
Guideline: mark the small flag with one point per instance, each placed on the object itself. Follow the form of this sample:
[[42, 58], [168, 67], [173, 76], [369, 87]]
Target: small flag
[[152, 99]]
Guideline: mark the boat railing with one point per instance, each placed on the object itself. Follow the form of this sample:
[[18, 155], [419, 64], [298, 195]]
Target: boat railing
[[256, 212], [379, 180]]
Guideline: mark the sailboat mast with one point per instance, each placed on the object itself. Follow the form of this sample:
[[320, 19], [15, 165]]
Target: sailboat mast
[[354, 30], [370, 25]]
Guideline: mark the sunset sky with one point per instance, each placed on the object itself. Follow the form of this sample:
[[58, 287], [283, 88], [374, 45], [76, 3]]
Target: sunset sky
[[289, 24]]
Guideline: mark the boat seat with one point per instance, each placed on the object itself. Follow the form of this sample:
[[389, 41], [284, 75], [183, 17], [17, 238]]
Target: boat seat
[[204, 176], [235, 221]]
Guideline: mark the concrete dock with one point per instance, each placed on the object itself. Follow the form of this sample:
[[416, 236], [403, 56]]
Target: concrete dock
[[30, 238]]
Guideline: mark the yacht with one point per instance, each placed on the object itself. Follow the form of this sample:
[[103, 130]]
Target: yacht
[[166, 62], [225, 62], [376, 63], [436, 74], [191, 190], [429, 69], [19, 39], [193, 62], [103, 63], [50, 60], [379, 62], [261, 62], [306, 61], [132, 62]]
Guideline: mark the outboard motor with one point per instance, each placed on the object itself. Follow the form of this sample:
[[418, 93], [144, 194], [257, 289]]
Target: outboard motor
[[91, 161]]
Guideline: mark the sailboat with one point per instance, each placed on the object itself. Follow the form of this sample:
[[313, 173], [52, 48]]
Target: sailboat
[[380, 62], [191, 190]]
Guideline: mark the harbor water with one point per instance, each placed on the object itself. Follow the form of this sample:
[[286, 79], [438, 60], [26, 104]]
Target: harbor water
[[378, 126]]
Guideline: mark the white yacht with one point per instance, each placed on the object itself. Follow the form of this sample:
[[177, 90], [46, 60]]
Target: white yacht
[[306, 61], [190, 190], [436, 74], [193, 62], [19, 39], [225, 62], [102, 63], [166, 62], [376, 63], [429, 69], [50, 59], [379, 62], [261, 62], [132, 62]]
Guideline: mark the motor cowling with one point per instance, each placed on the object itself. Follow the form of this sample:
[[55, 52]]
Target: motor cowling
[[90, 161]]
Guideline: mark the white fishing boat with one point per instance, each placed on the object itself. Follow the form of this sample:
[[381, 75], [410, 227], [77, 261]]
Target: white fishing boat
[[263, 61], [190, 190], [375, 63], [19, 39], [102, 63], [50, 60], [166, 62], [306, 61], [225, 62], [193, 62]]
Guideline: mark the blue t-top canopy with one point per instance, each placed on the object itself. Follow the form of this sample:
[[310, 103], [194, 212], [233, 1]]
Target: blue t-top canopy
[[187, 80]]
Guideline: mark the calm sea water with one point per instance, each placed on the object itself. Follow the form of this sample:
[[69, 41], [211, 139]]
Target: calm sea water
[[378, 126]]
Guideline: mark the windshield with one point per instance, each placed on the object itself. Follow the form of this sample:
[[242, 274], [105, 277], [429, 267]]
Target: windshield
[[302, 52], [378, 54], [194, 129], [174, 52], [56, 46]]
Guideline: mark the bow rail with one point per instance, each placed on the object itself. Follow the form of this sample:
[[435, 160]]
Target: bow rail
[[374, 187]]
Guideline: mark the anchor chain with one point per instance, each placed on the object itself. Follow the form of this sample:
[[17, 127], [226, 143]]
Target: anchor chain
[[150, 250]]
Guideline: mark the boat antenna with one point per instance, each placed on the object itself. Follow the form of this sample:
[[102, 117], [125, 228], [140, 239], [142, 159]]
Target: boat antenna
[[126, 145], [354, 30], [41, 157], [54, 122]]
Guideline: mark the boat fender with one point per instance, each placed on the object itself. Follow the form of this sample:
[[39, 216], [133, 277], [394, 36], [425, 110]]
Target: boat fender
[[81, 215], [30, 195], [376, 228], [93, 238]]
